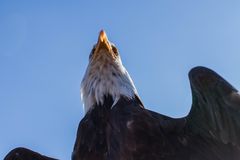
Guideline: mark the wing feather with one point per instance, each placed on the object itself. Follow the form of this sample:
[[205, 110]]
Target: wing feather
[[215, 111], [25, 154]]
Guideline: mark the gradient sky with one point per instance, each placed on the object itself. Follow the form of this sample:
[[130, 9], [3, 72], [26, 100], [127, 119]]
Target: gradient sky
[[44, 48]]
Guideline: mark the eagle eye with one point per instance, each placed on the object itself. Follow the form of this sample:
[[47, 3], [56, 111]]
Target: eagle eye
[[92, 52], [114, 49]]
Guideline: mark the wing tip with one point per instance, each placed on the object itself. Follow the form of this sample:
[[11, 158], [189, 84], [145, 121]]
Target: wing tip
[[13, 154], [196, 71], [203, 78], [26, 154]]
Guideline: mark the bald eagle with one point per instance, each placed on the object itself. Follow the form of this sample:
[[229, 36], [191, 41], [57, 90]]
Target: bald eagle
[[117, 126]]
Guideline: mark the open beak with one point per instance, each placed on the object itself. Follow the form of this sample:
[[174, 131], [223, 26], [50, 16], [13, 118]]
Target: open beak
[[103, 42]]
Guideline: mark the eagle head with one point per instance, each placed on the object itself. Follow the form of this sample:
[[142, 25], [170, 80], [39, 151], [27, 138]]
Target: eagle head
[[105, 75]]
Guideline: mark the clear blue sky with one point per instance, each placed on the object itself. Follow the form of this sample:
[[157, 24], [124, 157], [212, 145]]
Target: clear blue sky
[[44, 48]]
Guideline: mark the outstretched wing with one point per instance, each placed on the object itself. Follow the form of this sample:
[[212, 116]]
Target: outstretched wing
[[215, 111], [25, 154]]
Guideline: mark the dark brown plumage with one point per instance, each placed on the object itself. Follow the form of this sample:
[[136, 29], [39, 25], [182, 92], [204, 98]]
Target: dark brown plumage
[[25, 154]]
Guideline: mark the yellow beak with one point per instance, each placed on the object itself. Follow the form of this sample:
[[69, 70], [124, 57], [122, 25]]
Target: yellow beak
[[103, 42]]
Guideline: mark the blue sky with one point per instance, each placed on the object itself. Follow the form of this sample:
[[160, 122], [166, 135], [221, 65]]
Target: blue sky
[[44, 48]]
